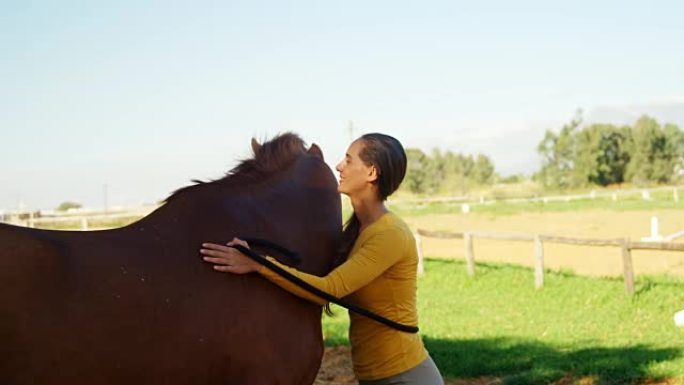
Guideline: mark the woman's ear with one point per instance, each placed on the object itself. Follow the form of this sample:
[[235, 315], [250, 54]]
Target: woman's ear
[[373, 173]]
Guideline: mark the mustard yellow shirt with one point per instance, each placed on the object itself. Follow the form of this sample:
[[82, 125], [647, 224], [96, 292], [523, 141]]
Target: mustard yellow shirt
[[379, 275]]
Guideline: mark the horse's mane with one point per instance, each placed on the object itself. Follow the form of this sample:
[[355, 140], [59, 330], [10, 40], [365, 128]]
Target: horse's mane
[[270, 157]]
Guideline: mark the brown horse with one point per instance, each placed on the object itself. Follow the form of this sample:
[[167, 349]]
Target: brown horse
[[137, 305]]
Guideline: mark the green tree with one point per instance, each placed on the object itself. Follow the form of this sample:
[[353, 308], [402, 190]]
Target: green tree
[[559, 152], [64, 206], [455, 181], [463, 167], [602, 156], [483, 170], [654, 152], [434, 171], [416, 171], [675, 138], [446, 172]]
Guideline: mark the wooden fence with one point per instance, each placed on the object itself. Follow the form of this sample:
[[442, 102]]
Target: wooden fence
[[623, 243]]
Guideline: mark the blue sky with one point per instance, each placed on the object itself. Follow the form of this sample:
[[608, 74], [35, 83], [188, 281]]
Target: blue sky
[[143, 96]]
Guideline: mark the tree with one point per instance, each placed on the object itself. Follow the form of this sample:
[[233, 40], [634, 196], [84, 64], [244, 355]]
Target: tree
[[601, 154], [483, 170], [64, 206], [653, 152], [675, 138], [446, 172], [461, 171], [558, 152], [416, 174], [455, 178], [434, 171]]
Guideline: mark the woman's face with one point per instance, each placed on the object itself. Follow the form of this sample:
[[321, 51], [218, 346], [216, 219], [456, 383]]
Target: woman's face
[[355, 175]]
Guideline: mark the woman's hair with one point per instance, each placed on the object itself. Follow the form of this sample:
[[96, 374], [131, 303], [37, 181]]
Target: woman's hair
[[388, 157]]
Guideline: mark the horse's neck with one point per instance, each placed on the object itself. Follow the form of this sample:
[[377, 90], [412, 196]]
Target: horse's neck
[[200, 210]]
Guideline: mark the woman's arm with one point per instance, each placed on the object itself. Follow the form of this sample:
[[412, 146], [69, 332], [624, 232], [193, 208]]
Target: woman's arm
[[372, 258]]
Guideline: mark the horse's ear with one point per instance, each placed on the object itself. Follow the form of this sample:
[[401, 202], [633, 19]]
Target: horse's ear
[[315, 150], [255, 146]]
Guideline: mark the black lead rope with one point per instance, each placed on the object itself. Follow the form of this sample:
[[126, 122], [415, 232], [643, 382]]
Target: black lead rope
[[274, 246], [316, 291]]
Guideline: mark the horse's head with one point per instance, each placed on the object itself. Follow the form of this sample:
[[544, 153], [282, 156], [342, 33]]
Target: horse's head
[[285, 193]]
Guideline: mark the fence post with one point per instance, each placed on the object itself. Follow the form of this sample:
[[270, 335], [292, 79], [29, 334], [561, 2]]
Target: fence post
[[675, 195], [628, 270], [539, 262], [84, 223], [419, 249], [646, 195], [470, 255]]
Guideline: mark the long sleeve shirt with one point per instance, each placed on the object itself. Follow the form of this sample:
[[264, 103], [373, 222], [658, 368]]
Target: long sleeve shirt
[[379, 275]]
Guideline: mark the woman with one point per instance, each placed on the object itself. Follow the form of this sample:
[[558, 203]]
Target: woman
[[379, 274]]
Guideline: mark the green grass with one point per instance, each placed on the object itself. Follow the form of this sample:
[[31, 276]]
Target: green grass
[[509, 208], [497, 324], [92, 224]]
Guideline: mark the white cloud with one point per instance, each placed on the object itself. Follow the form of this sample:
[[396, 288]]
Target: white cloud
[[665, 110]]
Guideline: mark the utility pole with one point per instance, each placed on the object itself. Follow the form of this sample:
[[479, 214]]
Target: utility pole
[[104, 194], [350, 127]]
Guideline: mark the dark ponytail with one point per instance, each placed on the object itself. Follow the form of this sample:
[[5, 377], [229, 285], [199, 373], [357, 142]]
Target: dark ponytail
[[349, 236]]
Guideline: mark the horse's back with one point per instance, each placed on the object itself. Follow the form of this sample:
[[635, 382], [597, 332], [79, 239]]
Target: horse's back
[[27, 271], [81, 308]]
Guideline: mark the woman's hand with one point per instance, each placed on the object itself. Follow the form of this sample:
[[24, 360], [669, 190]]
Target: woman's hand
[[228, 259]]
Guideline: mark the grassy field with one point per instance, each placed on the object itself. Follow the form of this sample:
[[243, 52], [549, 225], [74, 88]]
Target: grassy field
[[100, 224], [577, 329], [660, 200]]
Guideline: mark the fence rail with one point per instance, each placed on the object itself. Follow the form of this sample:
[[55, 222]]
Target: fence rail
[[624, 244], [81, 221], [643, 193], [84, 221]]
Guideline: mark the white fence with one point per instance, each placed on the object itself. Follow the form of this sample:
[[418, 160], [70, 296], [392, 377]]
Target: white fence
[[641, 193], [80, 219]]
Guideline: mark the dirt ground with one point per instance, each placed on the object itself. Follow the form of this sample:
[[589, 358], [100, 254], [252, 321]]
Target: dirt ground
[[336, 370], [585, 260]]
